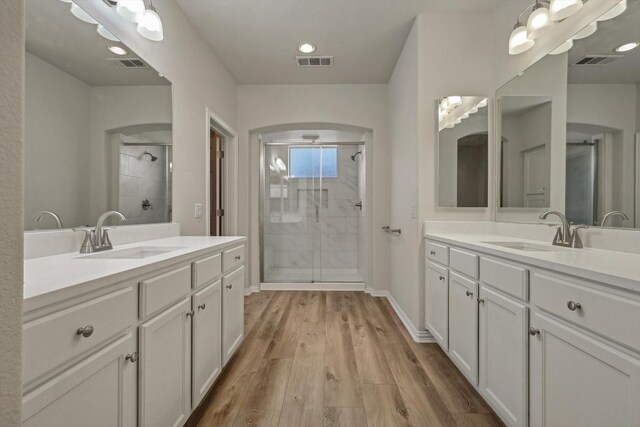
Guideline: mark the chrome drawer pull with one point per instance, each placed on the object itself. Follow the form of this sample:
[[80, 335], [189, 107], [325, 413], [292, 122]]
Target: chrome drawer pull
[[441, 278], [469, 293], [533, 331], [229, 286], [86, 332], [189, 313], [480, 300], [573, 306], [133, 357], [238, 257], [432, 252], [202, 306]]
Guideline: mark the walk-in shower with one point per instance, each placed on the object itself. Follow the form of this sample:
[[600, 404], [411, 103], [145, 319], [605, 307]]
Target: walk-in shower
[[312, 219]]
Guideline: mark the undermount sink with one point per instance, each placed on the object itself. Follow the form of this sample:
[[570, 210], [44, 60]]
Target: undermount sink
[[523, 246], [133, 253]]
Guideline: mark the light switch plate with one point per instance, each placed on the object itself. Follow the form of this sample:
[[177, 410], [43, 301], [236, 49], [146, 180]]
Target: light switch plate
[[198, 210]]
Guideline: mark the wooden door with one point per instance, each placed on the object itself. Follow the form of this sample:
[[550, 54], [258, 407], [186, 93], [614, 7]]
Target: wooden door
[[437, 303], [578, 380], [463, 325], [207, 340], [216, 175], [232, 313], [165, 363], [98, 391], [503, 367]]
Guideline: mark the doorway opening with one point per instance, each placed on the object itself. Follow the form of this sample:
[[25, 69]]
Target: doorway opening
[[216, 183]]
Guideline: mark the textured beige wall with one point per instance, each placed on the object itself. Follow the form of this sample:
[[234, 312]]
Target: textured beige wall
[[11, 205]]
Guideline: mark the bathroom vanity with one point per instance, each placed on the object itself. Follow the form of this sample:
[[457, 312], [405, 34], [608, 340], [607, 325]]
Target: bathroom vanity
[[132, 336], [548, 335]]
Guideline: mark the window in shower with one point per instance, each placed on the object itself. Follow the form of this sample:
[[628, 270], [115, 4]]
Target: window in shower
[[308, 162]]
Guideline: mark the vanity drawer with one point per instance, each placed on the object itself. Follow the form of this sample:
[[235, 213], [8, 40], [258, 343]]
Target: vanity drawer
[[605, 313], [509, 278], [464, 262], [160, 291], [52, 340], [207, 269], [438, 253], [232, 258]]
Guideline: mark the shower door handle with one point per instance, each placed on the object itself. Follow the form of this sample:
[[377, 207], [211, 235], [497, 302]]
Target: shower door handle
[[317, 214]]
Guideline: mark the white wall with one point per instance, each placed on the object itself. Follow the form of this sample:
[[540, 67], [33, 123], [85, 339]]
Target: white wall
[[57, 121], [363, 106], [11, 208], [200, 81]]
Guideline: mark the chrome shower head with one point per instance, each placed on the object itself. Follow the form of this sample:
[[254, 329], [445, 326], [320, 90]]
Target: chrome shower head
[[354, 156], [153, 158]]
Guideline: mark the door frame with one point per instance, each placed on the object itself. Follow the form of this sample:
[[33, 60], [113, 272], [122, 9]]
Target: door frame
[[230, 181]]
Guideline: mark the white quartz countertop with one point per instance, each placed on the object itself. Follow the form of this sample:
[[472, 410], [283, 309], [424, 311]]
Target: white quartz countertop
[[613, 268], [54, 278]]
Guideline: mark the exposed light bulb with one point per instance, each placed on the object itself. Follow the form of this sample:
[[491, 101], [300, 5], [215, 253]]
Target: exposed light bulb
[[519, 41], [150, 25], [131, 10], [538, 22], [107, 34], [561, 9], [586, 31], [562, 48], [614, 11], [79, 13]]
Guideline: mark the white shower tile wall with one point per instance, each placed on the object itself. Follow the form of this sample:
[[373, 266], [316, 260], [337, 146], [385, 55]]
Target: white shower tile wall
[[296, 239], [140, 179]]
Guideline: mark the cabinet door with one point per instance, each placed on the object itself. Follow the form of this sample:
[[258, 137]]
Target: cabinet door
[[232, 313], [98, 391], [463, 325], [503, 355], [165, 368], [437, 303], [207, 340], [577, 380]]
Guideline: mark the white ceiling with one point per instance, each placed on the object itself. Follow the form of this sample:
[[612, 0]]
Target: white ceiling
[[54, 35], [258, 40], [611, 34]]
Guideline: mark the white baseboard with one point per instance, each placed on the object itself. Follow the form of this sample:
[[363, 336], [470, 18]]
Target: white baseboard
[[251, 290], [312, 286]]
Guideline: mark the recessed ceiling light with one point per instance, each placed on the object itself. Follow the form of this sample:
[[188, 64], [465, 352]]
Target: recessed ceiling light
[[306, 48], [117, 50], [627, 47]]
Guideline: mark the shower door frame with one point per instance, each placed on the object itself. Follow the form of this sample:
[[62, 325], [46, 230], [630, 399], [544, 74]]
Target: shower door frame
[[262, 195]]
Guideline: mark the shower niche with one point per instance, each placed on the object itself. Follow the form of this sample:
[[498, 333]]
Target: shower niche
[[312, 214]]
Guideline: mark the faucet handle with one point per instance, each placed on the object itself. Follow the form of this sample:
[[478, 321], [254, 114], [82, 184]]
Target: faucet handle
[[576, 242], [88, 244], [559, 237]]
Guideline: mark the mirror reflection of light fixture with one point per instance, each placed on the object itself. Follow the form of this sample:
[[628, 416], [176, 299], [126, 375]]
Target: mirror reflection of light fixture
[[519, 41], [81, 14], [614, 11], [586, 31], [454, 101], [482, 103], [561, 9], [150, 24], [107, 34], [539, 21], [131, 10], [281, 164], [562, 48]]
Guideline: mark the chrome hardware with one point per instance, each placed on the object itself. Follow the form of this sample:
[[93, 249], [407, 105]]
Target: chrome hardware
[[390, 230], [38, 217], [229, 286], [441, 278], [358, 205], [86, 332], [238, 257], [101, 240], [88, 244], [133, 357], [480, 300], [533, 331], [614, 213], [576, 242], [573, 306], [563, 234], [469, 293], [433, 253], [190, 313], [146, 205], [202, 306]]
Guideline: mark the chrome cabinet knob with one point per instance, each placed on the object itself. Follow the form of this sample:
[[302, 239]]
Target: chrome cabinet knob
[[238, 257], [202, 306], [441, 278], [86, 332], [469, 293], [190, 313], [533, 331], [133, 357], [432, 252], [573, 306], [229, 286], [480, 300]]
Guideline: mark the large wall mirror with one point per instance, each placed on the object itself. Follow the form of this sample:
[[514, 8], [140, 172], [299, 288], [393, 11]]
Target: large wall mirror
[[98, 128], [569, 129], [463, 152]]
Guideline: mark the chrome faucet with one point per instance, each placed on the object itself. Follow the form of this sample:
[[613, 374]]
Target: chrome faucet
[[563, 236], [38, 217], [614, 213], [102, 242]]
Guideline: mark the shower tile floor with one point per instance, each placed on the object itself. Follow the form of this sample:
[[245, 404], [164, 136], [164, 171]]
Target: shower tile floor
[[306, 274]]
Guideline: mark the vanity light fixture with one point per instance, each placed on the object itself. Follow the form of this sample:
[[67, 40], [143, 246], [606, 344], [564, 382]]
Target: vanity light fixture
[[117, 50], [306, 48], [107, 34], [562, 9], [482, 103], [131, 10], [614, 11], [150, 24], [627, 47], [81, 14], [562, 48], [586, 31], [519, 41], [280, 164], [539, 21]]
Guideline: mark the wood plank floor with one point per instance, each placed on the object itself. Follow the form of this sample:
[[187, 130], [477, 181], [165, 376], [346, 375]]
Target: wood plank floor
[[337, 359]]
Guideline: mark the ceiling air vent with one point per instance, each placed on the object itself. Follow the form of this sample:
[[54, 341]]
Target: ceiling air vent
[[314, 61], [593, 60], [128, 62]]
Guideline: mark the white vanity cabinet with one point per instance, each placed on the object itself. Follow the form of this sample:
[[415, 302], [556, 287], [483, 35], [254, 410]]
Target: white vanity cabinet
[[437, 303], [463, 325], [232, 313]]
